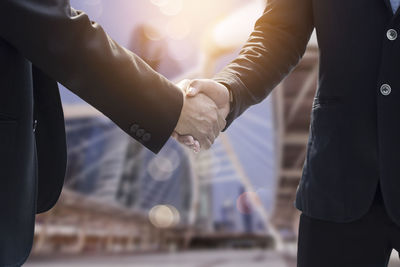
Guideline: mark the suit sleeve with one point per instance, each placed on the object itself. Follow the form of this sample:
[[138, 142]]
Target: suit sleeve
[[76, 52], [275, 46]]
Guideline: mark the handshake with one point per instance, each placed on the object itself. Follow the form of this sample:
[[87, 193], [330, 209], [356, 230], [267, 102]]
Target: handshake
[[205, 108]]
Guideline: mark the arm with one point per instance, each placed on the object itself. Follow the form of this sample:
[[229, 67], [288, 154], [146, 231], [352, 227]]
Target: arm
[[71, 49], [276, 45]]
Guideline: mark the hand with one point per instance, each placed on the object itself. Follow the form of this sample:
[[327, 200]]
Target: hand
[[214, 90], [200, 119], [217, 92]]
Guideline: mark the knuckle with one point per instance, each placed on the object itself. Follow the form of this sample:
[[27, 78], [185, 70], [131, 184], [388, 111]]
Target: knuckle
[[205, 132], [209, 144], [203, 143], [211, 138]]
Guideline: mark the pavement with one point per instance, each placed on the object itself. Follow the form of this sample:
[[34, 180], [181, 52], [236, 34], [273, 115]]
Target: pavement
[[208, 258], [218, 258]]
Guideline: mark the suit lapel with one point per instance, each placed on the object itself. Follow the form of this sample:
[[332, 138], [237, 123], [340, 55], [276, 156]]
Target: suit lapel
[[388, 5], [389, 8]]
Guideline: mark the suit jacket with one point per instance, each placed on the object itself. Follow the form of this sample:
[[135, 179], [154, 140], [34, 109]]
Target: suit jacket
[[41, 42], [355, 119]]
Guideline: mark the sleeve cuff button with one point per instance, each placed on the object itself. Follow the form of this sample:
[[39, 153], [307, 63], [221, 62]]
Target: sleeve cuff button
[[134, 128], [140, 132], [146, 137]]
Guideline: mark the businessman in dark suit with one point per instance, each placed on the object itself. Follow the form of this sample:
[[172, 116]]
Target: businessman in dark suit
[[44, 41], [349, 193]]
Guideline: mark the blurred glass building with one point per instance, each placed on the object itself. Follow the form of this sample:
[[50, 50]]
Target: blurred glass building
[[176, 196]]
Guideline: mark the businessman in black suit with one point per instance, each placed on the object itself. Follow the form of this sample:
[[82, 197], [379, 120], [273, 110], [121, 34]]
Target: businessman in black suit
[[349, 193], [45, 41]]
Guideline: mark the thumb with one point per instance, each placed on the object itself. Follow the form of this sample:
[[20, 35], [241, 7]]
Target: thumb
[[192, 91], [214, 90]]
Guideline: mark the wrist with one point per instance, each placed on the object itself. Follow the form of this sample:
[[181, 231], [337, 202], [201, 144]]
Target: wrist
[[230, 95]]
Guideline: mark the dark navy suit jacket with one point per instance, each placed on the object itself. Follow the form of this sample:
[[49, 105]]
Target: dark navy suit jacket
[[354, 136], [41, 42]]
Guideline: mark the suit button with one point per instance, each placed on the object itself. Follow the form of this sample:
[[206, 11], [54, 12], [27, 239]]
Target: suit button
[[133, 129], [140, 132], [391, 34], [386, 89], [146, 137], [34, 125]]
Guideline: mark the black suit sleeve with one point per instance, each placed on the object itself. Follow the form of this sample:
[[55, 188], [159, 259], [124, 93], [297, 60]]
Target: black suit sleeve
[[275, 46], [76, 52]]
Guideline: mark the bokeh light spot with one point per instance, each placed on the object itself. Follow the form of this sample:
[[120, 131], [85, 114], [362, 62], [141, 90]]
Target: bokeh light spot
[[180, 50], [152, 33], [160, 3], [164, 216], [162, 166], [178, 28], [172, 7]]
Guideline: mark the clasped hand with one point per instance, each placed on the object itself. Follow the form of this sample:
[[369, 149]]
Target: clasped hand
[[205, 108]]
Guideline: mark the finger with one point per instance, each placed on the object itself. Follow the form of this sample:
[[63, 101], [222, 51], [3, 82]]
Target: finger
[[192, 91], [214, 90], [190, 142], [216, 128], [187, 140], [219, 125], [208, 141], [196, 147], [207, 144], [221, 122], [195, 87], [205, 139]]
